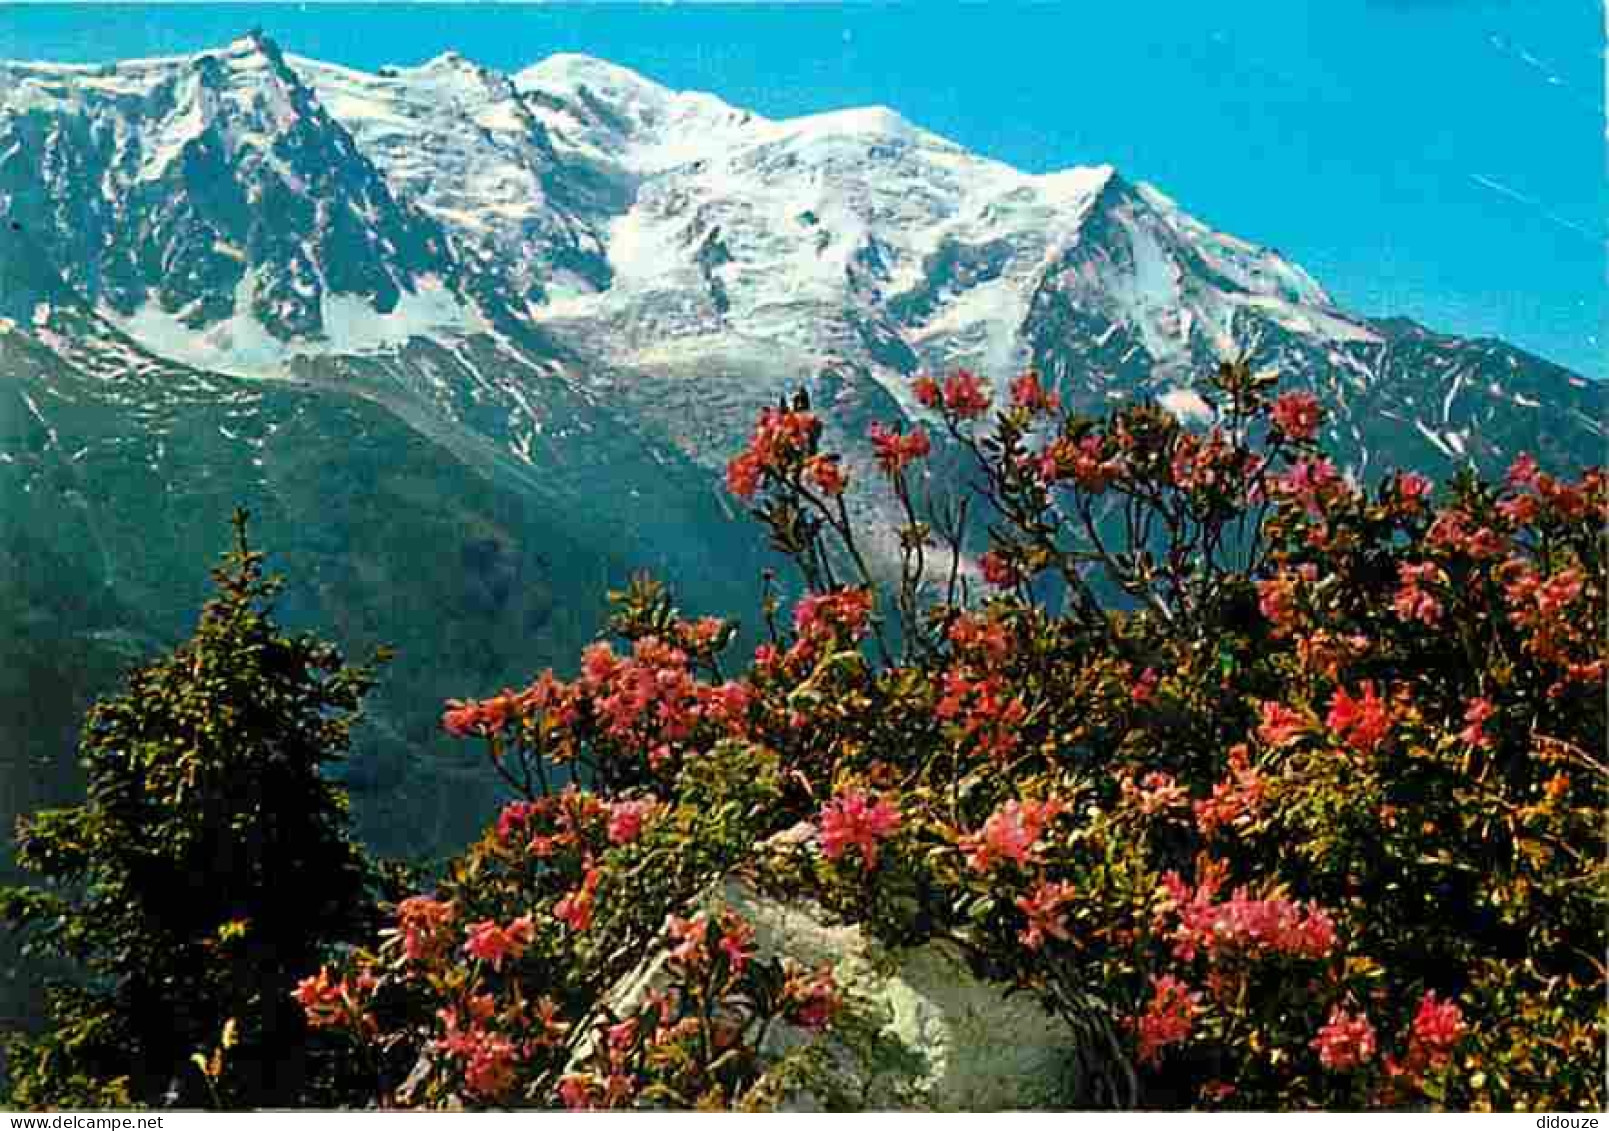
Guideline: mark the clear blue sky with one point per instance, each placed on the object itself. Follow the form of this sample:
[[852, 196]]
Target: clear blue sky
[[1443, 159]]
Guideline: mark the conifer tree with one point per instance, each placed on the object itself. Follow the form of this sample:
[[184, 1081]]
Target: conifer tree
[[208, 868]]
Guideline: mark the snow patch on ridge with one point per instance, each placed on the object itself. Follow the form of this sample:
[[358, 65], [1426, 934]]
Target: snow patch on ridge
[[1187, 405], [241, 346]]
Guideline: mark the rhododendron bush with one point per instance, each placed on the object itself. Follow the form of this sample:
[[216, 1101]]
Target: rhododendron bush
[[1284, 791]]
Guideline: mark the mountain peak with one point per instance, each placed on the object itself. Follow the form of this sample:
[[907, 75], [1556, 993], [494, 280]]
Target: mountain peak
[[571, 72], [611, 113], [448, 61], [254, 44], [863, 121]]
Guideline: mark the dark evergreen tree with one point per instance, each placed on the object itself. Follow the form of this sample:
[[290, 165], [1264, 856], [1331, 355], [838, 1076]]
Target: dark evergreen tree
[[208, 869]]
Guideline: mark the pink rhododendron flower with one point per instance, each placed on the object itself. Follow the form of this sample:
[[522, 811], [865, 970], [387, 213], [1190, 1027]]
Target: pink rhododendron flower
[[818, 615], [896, 451], [779, 438], [483, 717], [688, 935], [782, 434], [928, 393], [489, 1065], [1312, 483], [743, 473], [1028, 393], [1346, 1041], [426, 927], [986, 716], [1242, 924], [1485, 544], [492, 943], [1157, 792], [700, 635], [460, 718], [998, 570], [1168, 1017], [514, 819], [964, 395], [809, 1000], [1043, 907], [975, 634], [1298, 415], [1521, 510], [1235, 800], [828, 474], [727, 704], [1438, 1026], [599, 664], [1010, 833], [1414, 491], [319, 995], [1413, 602], [1523, 472], [626, 819], [620, 1035], [1476, 712], [1559, 592], [579, 1091], [1199, 464], [1144, 689], [328, 1001], [1280, 725], [1449, 530], [736, 943], [1363, 722], [575, 909], [1084, 462], [856, 819]]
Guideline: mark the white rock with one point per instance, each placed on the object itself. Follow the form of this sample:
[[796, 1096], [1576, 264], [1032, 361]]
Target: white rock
[[927, 1034]]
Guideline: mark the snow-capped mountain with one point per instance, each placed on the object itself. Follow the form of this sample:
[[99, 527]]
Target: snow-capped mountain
[[213, 210], [252, 213], [257, 214], [512, 325]]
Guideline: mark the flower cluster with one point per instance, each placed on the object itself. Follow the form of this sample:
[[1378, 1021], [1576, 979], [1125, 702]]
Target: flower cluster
[[1346, 1041], [1312, 484], [821, 616], [962, 394], [1011, 832], [1087, 463], [895, 451], [1297, 415], [1237, 800], [781, 440], [1364, 721], [1242, 925], [1234, 757], [1416, 600], [328, 1000], [1032, 397], [426, 926], [1168, 1017], [856, 819], [982, 712], [1043, 907], [985, 639], [494, 944]]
